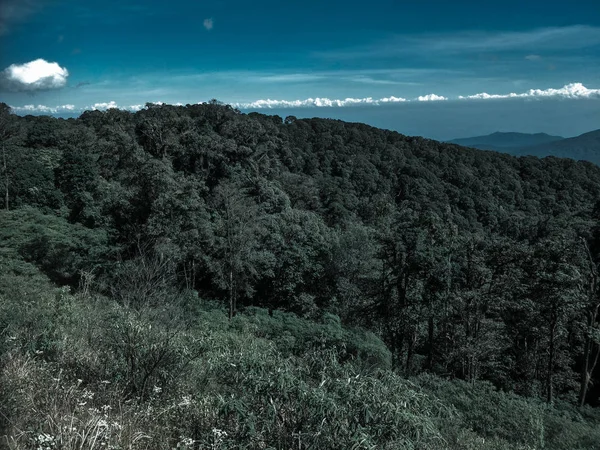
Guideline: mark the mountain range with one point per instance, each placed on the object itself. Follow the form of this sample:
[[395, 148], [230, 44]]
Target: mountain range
[[585, 147]]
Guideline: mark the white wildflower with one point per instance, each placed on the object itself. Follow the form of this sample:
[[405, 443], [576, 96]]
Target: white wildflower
[[219, 433], [87, 394], [186, 400], [185, 442], [45, 441]]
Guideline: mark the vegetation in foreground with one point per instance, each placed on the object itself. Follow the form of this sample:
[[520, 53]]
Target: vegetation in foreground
[[83, 371]]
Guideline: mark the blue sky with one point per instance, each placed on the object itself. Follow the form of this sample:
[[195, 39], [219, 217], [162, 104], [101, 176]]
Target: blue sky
[[368, 61]]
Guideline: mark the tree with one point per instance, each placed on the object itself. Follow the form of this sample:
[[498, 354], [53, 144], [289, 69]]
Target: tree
[[77, 177], [591, 352], [299, 243], [554, 281], [356, 271], [179, 224], [236, 257], [8, 130], [403, 247]]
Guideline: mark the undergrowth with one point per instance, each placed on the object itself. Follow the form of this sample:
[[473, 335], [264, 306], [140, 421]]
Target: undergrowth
[[85, 372]]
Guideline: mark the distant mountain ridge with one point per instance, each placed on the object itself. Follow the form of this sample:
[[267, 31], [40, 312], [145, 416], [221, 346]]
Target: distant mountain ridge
[[585, 147], [505, 141]]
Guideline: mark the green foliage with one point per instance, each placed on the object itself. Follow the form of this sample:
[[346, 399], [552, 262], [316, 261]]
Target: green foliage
[[377, 255], [77, 177], [147, 348], [31, 310], [293, 335], [254, 382], [237, 259], [495, 414], [58, 248]]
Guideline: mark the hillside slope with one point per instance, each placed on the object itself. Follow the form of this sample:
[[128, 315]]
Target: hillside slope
[[465, 263], [84, 371]]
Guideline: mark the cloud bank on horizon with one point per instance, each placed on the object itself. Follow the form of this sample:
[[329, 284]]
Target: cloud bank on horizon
[[571, 91]]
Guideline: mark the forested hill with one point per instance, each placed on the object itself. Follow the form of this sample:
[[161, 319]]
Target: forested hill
[[468, 264], [344, 172]]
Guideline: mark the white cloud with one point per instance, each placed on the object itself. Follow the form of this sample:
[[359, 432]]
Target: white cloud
[[33, 76], [208, 24], [569, 91], [392, 99], [430, 98], [317, 102], [104, 106], [42, 109]]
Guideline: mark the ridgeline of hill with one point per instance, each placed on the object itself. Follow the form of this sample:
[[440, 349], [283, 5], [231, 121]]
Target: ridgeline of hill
[[506, 141], [585, 147], [195, 277]]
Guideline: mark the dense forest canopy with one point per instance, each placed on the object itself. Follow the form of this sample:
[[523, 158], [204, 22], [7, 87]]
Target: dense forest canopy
[[469, 265]]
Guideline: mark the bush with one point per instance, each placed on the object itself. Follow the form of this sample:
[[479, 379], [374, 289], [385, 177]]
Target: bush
[[297, 336], [80, 371], [59, 249], [520, 421]]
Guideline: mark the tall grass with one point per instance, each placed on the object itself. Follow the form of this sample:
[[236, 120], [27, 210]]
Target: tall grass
[[84, 372]]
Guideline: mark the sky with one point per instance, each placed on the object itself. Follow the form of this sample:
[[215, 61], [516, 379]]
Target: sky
[[434, 68]]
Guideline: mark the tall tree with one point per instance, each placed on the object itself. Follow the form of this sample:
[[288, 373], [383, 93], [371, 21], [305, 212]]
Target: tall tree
[[77, 177], [591, 308], [8, 130], [236, 257], [554, 281]]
